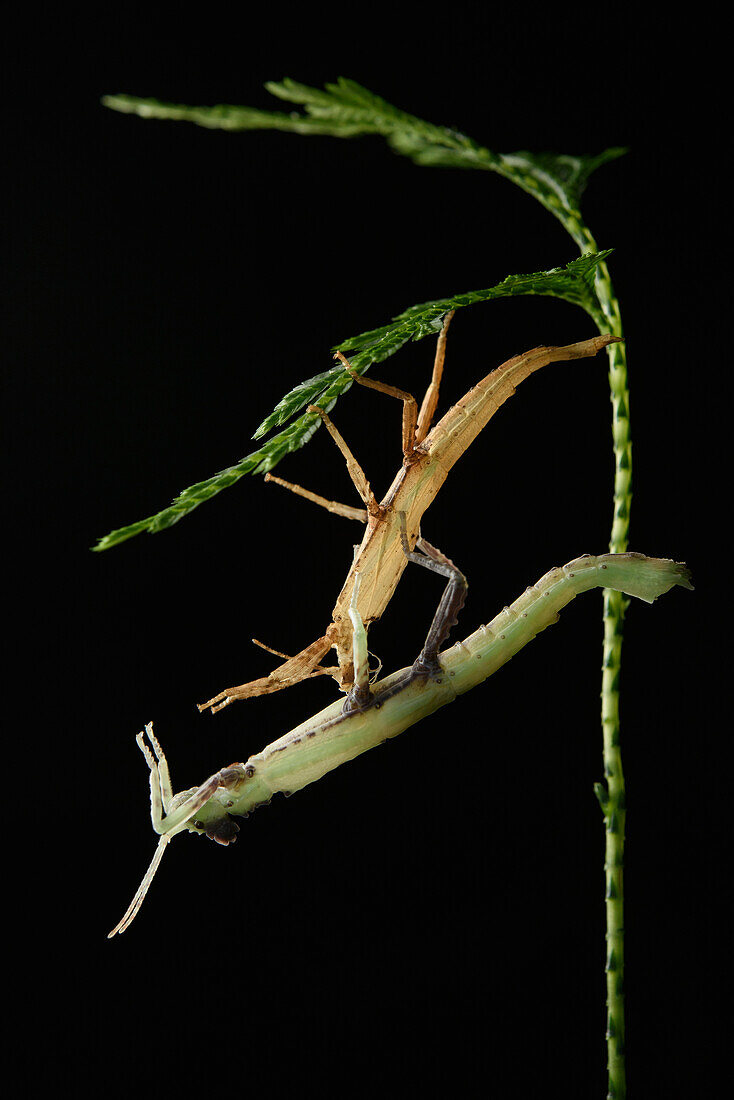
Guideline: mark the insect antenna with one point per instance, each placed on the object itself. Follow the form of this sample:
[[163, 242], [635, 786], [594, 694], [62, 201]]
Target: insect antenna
[[134, 906]]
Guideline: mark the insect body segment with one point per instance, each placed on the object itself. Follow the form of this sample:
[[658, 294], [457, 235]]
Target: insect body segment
[[427, 663], [331, 737], [428, 456]]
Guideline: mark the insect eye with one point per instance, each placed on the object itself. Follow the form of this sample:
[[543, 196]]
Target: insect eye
[[224, 831], [198, 824]]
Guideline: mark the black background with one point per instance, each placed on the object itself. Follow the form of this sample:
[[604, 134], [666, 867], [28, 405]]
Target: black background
[[431, 916]]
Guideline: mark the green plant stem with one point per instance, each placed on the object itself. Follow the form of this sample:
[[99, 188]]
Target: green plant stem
[[614, 820], [615, 605], [612, 798], [607, 317]]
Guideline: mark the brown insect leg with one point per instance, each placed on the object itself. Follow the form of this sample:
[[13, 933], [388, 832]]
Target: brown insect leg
[[356, 472], [430, 401], [345, 510], [319, 670], [447, 613], [269, 649], [301, 667], [410, 405]]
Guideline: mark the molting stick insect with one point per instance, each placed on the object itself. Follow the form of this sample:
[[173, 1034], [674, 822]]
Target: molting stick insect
[[428, 456], [369, 717]]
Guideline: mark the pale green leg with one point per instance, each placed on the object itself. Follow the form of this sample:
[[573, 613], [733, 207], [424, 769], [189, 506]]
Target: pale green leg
[[161, 795], [158, 800], [165, 823], [359, 696], [163, 772], [175, 821]]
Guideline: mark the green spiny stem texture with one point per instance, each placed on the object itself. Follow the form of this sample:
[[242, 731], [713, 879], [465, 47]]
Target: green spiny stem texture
[[614, 818], [606, 314], [615, 604]]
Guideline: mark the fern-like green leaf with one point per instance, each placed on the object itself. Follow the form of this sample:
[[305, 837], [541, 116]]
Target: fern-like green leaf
[[574, 283], [346, 109]]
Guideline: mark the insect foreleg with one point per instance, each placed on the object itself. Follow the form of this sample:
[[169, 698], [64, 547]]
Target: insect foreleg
[[164, 823], [164, 775], [160, 785], [174, 821]]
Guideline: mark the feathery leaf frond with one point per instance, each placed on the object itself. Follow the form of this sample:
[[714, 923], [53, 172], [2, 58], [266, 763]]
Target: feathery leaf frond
[[574, 283], [346, 109]]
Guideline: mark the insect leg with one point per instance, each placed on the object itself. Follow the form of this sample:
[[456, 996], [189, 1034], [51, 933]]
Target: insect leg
[[164, 776], [161, 793], [359, 695], [318, 670], [297, 668], [174, 822], [410, 405], [345, 510], [356, 472], [157, 797], [166, 827], [452, 601], [430, 401]]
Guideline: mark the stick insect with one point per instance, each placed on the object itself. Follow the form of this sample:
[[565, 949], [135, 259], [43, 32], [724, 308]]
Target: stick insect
[[340, 733], [428, 456]]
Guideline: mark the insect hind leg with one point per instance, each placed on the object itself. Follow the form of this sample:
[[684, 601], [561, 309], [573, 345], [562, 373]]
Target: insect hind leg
[[451, 603]]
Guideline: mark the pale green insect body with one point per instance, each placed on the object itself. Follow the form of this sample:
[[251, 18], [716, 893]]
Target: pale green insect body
[[331, 738]]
